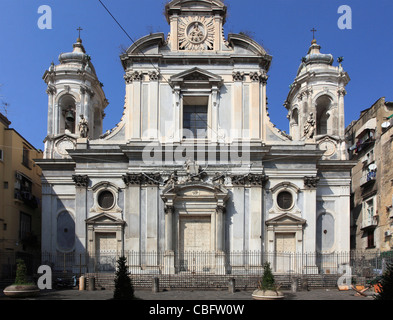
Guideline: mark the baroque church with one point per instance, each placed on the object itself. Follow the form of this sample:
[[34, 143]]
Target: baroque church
[[194, 163]]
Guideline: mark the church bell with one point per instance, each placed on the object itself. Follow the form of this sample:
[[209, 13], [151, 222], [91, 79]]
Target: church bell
[[70, 116]]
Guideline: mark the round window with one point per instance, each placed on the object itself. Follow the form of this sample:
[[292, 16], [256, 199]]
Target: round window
[[106, 199], [285, 200]]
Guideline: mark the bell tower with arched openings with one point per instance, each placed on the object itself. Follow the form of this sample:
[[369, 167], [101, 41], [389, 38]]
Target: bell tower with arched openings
[[75, 100], [315, 103]]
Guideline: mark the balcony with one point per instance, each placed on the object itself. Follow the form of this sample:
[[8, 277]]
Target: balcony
[[368, 178], [369, 222]]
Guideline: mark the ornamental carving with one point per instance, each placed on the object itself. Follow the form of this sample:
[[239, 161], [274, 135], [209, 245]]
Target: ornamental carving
[[81, 180], [311, 182], [134, 76], [250, 179], [196, 33], [154, 76], [238, 76], [258, 77], [142, 179]]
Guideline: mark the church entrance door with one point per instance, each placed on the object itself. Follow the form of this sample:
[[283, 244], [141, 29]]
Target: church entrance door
[[285, 252], [106, 247], [195, 244]]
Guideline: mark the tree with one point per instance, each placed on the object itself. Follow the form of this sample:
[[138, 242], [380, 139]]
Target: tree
[[267, 282], [123, 284], [386, 284], [21, 271]]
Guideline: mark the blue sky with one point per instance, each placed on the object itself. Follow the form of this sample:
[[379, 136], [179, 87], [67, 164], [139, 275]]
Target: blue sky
[[281, 26]]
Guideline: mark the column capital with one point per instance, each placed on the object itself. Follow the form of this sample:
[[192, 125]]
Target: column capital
[[81, 181]]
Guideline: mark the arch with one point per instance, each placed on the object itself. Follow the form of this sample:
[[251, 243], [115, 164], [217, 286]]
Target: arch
[[67, 103], [323, 105], [325, 231], [65, 234]]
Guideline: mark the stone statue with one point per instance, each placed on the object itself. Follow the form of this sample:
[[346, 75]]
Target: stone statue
[[83, 127], [309, 127], [172, 181], [192, 170]]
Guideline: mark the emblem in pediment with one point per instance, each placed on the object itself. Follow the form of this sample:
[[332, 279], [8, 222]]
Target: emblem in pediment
[[196, 33]]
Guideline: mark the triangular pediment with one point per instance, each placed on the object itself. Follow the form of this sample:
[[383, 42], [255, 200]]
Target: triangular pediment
[[196, 75], [104, 218], [286, 219]]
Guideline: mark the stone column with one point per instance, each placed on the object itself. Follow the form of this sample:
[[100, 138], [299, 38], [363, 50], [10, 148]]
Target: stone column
[[81, 183], [48, 241], [309, 234], [263, 127], [341, 92], [169, 260]]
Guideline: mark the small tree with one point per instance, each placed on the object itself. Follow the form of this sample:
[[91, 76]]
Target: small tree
[[267, 282], [123, 284], [21, 271], [386, 284]]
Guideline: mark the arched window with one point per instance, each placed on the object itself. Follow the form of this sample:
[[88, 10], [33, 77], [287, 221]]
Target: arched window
[[295, 117], [323, 104], [67, 115]]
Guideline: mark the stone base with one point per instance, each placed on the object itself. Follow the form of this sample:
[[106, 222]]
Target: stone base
[[267, 295], [21, 291]]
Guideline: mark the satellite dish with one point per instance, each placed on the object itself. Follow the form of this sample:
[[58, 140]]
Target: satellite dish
[[372, 166], [386, 124]]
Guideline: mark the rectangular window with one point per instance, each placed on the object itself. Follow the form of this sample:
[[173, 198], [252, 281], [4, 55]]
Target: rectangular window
[[195, 122], [24, 226], [26, 158], [370, 239]]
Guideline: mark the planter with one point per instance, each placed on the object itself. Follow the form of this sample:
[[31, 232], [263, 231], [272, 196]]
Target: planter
[[267, 295], [21, 291]]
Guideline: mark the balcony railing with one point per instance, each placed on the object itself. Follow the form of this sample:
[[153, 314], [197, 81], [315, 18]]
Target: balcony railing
[[367, 178]]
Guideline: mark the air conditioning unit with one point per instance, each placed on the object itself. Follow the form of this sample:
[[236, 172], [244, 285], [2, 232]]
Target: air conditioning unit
[[388, 233]]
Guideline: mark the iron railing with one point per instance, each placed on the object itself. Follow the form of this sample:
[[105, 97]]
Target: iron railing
[[245, 263]]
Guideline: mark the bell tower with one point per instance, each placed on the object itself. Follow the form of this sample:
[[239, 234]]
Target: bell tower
[[76, 102], [315, 103]]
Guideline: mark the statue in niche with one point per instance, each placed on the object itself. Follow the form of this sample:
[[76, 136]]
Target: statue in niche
[[83, 127], [309, 128]]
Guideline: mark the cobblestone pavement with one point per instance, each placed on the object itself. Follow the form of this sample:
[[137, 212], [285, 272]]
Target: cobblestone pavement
[[208, 295]]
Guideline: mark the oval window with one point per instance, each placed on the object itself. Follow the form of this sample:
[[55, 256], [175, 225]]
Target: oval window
[[106, 199], [285, 200]]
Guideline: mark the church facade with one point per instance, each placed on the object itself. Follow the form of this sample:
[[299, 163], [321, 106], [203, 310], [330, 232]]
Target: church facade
[[195, 164]]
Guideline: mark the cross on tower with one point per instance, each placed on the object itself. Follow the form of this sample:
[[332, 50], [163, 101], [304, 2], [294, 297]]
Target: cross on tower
[[313, 32], [79, 29]]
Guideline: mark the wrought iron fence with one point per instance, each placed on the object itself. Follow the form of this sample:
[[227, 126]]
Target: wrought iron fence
[[204, 265]]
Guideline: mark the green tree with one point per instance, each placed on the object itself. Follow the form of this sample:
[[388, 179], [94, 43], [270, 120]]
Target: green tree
[[386, 284], [123, 284], [267, 282], [21, 271]]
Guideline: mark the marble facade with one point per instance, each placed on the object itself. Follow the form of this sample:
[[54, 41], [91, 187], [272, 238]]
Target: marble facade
[[239, 185]]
